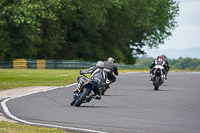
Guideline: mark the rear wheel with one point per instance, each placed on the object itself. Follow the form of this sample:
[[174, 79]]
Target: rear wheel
[[82, 97], [102, 92], [157, 83], [104, 89]]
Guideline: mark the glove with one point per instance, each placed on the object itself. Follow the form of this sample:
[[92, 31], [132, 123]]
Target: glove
[[81, 73]]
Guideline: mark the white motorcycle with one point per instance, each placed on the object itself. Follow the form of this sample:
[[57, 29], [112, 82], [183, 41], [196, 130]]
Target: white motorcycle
[[158, 76]]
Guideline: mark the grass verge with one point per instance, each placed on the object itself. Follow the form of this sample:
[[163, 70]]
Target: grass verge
[[7, 127], [14, 78]]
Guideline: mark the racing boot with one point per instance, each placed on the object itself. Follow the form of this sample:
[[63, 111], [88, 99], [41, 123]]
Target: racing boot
[[166, 76], [98, 97], [76, 90]]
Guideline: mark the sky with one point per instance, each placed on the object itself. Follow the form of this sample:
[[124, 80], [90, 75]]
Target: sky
[[187, 34]]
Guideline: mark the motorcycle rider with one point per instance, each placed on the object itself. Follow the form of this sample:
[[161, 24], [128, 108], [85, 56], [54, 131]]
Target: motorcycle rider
[[167, 64], [158, 61], [109, 64], [97, 75]]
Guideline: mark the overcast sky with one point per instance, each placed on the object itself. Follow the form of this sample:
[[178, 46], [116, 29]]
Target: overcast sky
[[187, 34]]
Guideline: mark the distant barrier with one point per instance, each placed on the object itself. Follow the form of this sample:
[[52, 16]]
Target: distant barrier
[[6, 64], [41, 64], [51, 64], [20, 64]]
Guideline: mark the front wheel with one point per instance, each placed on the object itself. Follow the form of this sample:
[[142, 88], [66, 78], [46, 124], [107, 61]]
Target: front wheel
[[157, 83], [73, 102], [82, 97]]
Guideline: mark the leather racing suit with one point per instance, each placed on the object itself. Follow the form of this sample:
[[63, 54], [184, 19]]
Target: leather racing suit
[[113, 69]]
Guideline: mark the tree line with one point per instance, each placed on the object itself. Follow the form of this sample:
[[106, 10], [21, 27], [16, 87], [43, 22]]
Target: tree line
[[181, 63], [87, 30]]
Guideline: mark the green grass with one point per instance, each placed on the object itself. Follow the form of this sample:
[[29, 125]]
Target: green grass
[[13, 78], [7, 127]]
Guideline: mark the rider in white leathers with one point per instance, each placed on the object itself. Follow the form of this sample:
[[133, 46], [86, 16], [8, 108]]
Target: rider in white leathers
[[98, 75], [158, 61]]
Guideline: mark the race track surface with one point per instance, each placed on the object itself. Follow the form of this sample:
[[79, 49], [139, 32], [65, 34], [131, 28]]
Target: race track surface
[[130, 106]]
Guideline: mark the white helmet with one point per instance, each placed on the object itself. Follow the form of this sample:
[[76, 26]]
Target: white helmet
[[110, 60], [100, 64]]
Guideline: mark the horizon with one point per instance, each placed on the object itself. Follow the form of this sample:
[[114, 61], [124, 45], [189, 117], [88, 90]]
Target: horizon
[[186, 35], [176, 53]]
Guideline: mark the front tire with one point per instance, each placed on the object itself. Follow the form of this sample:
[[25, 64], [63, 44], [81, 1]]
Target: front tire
[[72, 102], [157, 83], [82, 97]]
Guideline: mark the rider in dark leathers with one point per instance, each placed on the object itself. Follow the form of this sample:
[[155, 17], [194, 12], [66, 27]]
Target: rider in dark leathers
[[97, 75], [109, 64], [159, 61]]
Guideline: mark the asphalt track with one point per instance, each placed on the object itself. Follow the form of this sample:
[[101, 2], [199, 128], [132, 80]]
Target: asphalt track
[[130, 106]]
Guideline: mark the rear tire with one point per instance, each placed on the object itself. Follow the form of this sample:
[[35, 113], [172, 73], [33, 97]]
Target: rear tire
[[157, 83], [82, 97], [102, 92]]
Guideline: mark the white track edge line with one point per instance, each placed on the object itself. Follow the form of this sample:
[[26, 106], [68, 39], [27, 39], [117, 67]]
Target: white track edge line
[[6, 110]]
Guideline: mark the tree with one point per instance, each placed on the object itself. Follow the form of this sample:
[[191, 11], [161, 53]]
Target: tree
[[84, 29], [146, 23], [22, 21]]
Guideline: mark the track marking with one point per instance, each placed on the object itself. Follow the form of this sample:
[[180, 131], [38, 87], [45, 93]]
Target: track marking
[[6, 110]]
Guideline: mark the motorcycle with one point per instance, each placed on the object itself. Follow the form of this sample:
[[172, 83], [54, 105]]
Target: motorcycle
[[158, 76], [84, 92]]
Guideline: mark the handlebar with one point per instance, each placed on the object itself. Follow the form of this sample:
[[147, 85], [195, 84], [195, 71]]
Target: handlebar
[[84, 75]]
